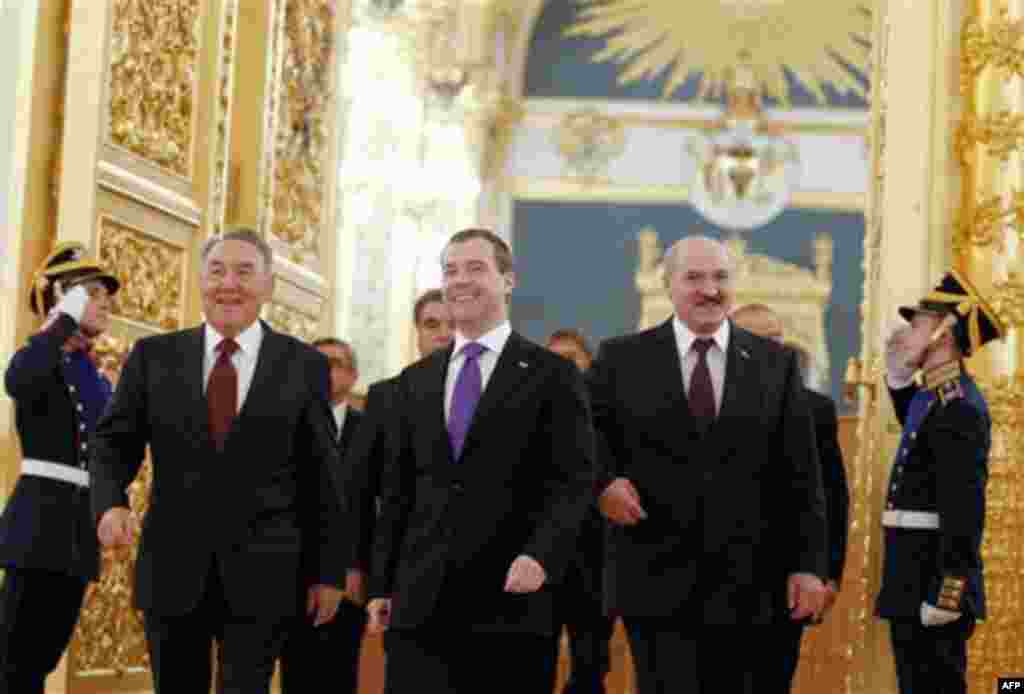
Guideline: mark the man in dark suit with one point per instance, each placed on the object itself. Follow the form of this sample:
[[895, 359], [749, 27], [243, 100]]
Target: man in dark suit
[[483, 505], [48, 548], [578, 598], [782, 650], [244, 505], [377, 442], [711, 482], [933, 585], [330, 652]]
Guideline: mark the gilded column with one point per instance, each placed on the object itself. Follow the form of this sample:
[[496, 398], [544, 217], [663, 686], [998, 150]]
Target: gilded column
[[989, 145]]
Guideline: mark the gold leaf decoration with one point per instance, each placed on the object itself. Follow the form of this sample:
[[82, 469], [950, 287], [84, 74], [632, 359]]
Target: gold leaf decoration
[[999, 44], [811, 38], [150, 271], [154, 50], [109, 637], [1001, 134], [291, 321], [223, 106], [305, 94]]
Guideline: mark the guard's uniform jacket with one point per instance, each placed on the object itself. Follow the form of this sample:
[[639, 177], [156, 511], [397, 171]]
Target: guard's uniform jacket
[[935, 510], [59, 396]]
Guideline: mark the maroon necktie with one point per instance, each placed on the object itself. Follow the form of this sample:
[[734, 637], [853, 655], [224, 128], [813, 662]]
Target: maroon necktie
[[222, 392], [702, 395]]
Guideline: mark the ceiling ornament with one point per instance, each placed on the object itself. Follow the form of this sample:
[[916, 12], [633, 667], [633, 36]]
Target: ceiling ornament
[[815, 40], [745, 171], [589, 141]]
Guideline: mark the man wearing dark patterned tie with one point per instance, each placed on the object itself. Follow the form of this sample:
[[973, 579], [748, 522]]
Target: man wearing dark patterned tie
[[711, 481], [483, 505], [243, 531]]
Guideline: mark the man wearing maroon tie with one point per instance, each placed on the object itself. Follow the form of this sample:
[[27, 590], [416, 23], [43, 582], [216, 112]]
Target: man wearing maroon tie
[[243, 529], [710, 479], [484, 502]]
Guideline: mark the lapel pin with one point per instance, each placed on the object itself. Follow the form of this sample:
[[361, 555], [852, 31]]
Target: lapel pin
[[523, 365], [744, 353]]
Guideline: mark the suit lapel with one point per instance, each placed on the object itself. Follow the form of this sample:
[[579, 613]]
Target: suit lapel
[[193, 354], [741, 397], [273, 348], [668, 370], [508, 375], [435, 417]]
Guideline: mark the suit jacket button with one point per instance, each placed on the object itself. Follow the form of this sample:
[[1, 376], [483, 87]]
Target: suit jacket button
[[458, 488]]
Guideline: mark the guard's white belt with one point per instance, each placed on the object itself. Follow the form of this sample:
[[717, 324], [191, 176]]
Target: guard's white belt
[[918, 520], [55, 471]]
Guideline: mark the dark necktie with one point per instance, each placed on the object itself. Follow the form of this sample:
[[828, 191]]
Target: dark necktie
[[465, 397], [222, 392], [702, 395]]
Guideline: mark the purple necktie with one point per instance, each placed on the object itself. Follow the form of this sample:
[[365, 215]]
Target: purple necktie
[[468, 386], [702, 395]]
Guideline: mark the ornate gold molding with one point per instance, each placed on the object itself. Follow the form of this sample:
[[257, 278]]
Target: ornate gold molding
[[1001, 134], [150, 270], [154, 51], [292, 321], [219, 170], [301, 97], [1000, 44]]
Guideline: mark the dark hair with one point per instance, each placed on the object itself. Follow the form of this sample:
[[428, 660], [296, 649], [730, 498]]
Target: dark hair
[[241, 234], [502, 252], [337, 342], [571, 335], [431, 296]]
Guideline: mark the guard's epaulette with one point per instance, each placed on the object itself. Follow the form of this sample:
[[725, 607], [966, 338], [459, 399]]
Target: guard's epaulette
[[945, 381]]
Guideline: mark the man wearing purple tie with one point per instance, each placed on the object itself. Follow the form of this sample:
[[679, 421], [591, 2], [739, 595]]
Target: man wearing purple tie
[[485, 500]]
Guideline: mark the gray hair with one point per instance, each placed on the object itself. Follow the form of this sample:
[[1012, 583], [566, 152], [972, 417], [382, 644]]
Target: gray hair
[[246, 234], [672, 258]]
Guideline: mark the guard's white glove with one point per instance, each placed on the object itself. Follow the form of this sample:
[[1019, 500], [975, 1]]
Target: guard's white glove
[[73, 303], [898, 373], [932, 616]]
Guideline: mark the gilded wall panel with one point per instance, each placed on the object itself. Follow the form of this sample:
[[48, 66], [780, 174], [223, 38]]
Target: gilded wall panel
[[151, 271], [154, 75], [292, 321], [109, 638], [294, 195], [218, 199]]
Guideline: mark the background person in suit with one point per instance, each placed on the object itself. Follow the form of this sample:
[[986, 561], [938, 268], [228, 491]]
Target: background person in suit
[[711, 481], [244, 504], [578, 597], [377, 442], [484, 503], [933, 587], [48, 548], [782, 651], [330, 652]]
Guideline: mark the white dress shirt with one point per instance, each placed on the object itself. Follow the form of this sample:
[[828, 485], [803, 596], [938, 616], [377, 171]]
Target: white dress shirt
[[494, 341], [244, 358], [340, 411], [716, 356]]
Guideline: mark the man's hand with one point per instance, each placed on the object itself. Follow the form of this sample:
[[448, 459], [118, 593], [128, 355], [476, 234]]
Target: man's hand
[[117, 527], [620, 503], [805, 596], [322, 603], [355, 586], [525, 575], [379, 610]]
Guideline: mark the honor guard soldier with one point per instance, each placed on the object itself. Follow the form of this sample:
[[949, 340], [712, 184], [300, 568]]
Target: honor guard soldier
[[932, 587], [48, 545]]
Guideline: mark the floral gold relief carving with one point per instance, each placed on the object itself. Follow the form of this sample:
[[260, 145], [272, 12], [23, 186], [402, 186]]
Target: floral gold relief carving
[[109, 638], [289, 320], [223, 107], [150, 271], [305, 94], [999, 43], [154, 51]]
